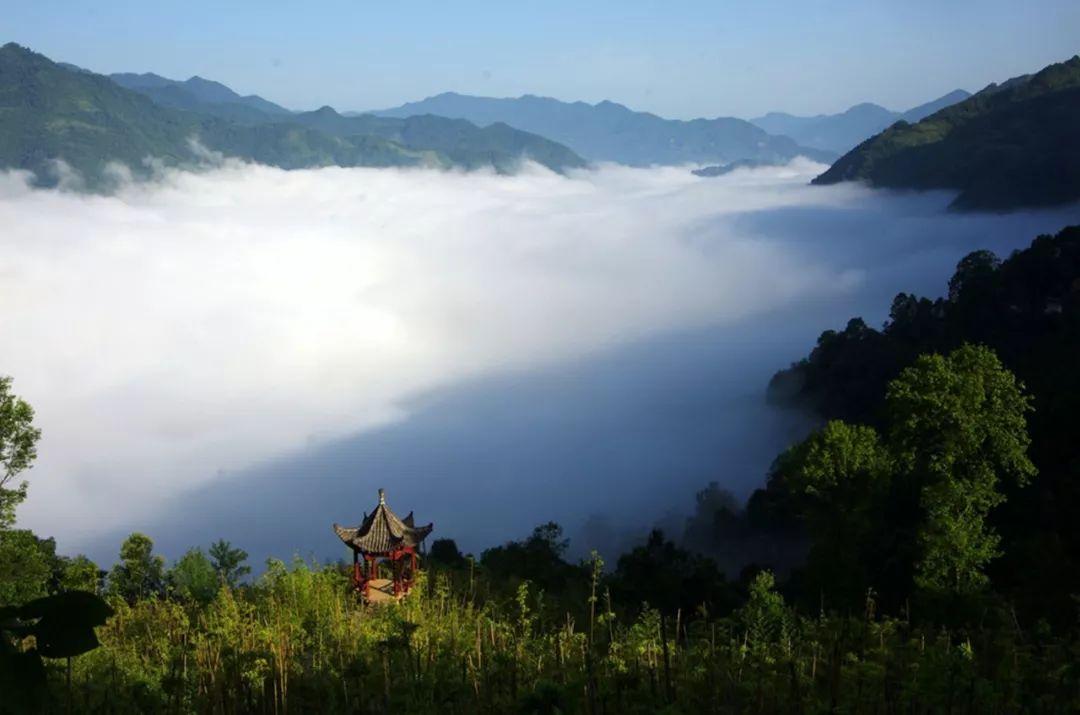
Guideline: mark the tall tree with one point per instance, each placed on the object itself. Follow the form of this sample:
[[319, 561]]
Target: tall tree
[[446, 552], [79, 573], [193, 577], [18, 449], [662, 575], [228, 562], [537, 558], [958, 427], [27, 566], [841, 477], [140, 572], [25, 560]]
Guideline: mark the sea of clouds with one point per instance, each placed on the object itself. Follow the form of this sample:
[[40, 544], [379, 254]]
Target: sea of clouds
[[180, 331]]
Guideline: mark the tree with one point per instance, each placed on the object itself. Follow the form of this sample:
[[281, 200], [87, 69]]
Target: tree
[[668, 578], [446, 552], [714, 508], [548, 537], [841, 477], [765, 618], [18, 449], [838, 468], [228, 562], [26, 562], [193, 577], [737, 538], [974, 272], [140, 573], [957, 428], [79, 573], [26, 566], [537, 558]]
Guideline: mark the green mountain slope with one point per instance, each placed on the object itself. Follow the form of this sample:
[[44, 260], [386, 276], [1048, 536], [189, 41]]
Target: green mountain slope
[[51, 112], [611, 132], [1009, 146]]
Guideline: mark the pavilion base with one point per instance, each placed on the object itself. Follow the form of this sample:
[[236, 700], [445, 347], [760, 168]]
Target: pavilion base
[[381, 590]]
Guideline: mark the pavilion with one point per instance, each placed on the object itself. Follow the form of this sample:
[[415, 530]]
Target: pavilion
[[383, 537]]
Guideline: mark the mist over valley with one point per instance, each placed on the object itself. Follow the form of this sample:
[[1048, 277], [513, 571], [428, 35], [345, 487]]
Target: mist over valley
[[596, 344], [540, 358]]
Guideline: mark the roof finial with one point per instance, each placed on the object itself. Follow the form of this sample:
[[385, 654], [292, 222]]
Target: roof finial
[[382, 497]]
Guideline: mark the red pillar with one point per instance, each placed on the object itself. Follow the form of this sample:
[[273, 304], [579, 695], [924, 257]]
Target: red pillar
[[395, 564]]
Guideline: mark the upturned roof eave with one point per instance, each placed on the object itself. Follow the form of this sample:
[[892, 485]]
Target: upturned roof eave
[[383, 532]]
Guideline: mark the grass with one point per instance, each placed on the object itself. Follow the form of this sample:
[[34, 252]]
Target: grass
[[298, 640]]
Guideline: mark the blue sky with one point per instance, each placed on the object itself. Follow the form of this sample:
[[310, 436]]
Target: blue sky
[[684, 60]]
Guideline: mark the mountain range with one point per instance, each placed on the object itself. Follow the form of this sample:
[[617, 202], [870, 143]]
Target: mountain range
[[842, 132], [611, 132], [1008, 146], [56, 112], [198, 94], [1011, 145]]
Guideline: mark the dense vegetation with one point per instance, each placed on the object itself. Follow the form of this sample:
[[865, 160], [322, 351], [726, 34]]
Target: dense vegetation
[[52, 112], [1007, 146], [1027, 310], [478, 637], [915, 554], [611, 132]]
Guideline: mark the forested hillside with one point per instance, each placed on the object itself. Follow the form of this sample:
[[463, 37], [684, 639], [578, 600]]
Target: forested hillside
[[53, 113], [1011, 145], [1027, 310]]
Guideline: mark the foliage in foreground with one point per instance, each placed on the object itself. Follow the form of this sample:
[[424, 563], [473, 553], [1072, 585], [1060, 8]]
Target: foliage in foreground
[[298, 641]]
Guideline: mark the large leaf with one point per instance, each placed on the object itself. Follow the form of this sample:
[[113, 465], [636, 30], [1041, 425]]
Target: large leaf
[[74, 607], [22, 682], [65, 622]]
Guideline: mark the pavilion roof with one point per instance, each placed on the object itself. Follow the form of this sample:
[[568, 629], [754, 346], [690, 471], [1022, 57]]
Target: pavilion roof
[[382, 531]]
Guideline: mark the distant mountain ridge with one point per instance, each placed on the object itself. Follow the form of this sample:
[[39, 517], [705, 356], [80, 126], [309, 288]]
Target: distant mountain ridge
[[1008, 146], [611, 132], [461, 142], [192, 93], [846, 130], [59, 112]]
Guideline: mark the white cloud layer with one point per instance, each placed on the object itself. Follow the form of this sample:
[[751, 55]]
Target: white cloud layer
[[209, 321]]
